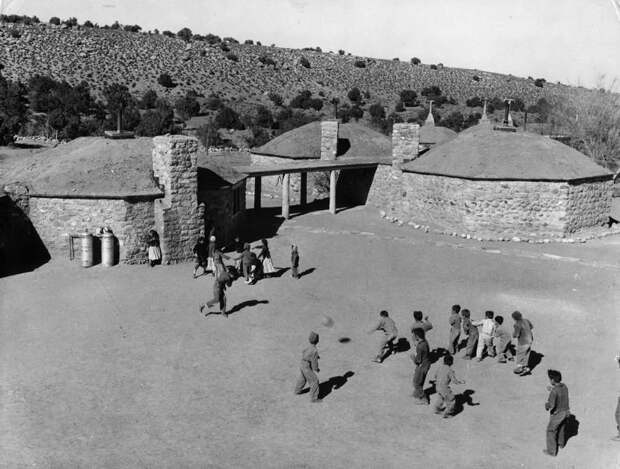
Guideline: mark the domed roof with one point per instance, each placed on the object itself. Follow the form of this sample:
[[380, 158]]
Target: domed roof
[[483, 153], [88, 166], [436, 135], [354, 140]]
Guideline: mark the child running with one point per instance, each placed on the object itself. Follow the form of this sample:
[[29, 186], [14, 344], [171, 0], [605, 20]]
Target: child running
[[388, 326]]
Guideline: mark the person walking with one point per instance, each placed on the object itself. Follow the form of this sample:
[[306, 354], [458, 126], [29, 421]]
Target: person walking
[[219, 296], [557, 405], [308, 368], [265, 257], [388, 326], [523, 336], [421, 358]]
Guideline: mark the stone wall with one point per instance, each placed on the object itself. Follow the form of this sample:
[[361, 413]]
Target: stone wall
[[177, 218], [589, 204], [57, 218], [218, 206], [491, 209]]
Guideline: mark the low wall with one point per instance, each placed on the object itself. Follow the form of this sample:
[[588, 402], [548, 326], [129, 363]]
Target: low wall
[[56, 218], [491, 208]]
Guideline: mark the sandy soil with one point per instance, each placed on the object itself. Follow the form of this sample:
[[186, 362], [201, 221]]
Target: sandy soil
[[116, 368]]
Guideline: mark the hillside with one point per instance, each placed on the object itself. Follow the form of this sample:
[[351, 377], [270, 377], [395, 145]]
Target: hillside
[[103, 57]]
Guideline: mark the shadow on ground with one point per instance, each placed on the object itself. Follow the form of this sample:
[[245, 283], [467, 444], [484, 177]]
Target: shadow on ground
[[333, 383]]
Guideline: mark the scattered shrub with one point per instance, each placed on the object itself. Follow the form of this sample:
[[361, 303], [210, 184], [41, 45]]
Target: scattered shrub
[[475, 78], [415, 61], [354, 95], [187, 106], [408, 98], [399, 107], [55, 20], [227, 118], [433, 67], [341, 51], [360, 64], [224, 47], [185, 34], [168, 34], [540, 82], [165, 80], [148, 99], [88, 24], [233, 57], [212, 39], [249, 42], [304, 62], [474, 102], [276, 99], [266, 60], [357, 112]]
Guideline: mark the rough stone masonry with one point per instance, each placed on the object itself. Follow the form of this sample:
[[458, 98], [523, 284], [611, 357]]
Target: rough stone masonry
[[177, 219]]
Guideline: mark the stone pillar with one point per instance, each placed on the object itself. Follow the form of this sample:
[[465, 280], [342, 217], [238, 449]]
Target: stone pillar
[[332, 192], [257, 192], [285, 196], [329, 140], [303, 189], [405, 143], [177, 218]]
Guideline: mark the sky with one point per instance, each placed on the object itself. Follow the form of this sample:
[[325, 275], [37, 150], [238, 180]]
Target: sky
[[576, 42]]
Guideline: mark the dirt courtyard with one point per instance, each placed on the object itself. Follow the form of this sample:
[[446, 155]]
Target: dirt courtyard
[[116, 368]]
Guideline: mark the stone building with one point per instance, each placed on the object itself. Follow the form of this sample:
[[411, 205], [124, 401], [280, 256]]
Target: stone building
[[496, 184], [305, 144], [129, 185]]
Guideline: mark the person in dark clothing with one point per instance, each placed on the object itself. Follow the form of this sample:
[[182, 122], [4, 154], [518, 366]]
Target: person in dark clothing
[[256, 268], [472, 334], [557, 405], [420, 322], [265, 257], [421, 358], [294, 262], [154, 251], [455, 329], [308, 368], [201, 251], [246, 262]]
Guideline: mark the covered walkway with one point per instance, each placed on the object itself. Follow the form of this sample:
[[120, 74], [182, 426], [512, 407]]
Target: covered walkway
[[304, 167]]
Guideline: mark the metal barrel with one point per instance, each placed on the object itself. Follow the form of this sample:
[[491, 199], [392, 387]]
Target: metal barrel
[[107, 249], [87, 250]]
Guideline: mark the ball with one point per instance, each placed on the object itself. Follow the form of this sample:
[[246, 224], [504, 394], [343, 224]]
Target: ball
[[327, 321]]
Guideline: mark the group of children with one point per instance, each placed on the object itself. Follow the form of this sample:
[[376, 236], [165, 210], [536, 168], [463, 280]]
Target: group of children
[[248, 264], [490, 335]]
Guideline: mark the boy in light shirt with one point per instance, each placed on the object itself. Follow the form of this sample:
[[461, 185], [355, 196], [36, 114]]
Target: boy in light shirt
[[487, 329]]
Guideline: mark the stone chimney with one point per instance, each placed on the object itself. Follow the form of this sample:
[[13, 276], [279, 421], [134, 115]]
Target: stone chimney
[[405, 143], [329, 140], [177, 220]]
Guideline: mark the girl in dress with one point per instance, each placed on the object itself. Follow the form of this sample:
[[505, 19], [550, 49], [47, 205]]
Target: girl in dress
[[265, 257], [153, 248]]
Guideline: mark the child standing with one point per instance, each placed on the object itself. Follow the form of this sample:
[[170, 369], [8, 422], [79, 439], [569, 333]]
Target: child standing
[[487, 329], [210, 263], [153, 248], [455, 329], [472, 334], [444, 376], [557, 405], [501, 341], [420, 322], [294, 262], [201, 251], [308, 368], [422, 361], [523, 335]]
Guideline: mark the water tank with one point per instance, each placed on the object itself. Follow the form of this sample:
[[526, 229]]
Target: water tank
[[107, 249], [87, 249]]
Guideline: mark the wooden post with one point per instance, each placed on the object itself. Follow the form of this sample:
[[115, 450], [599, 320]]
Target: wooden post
[[332, 192], [285, 196], [303, 189], [257, 192]]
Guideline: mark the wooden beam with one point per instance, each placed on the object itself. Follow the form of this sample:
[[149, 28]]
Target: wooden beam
[[285, 196], [332, 192], [303, 190], [257, 192]]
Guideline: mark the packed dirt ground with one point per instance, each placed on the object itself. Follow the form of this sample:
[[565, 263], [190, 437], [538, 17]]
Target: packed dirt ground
[[115, 367]]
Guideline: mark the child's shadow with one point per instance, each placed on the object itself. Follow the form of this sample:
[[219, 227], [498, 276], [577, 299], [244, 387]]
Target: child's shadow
[[246, 304], [307, 272], [462, 399], [402, 345], [279, 272], [571, 429], [534, 359], [437, 353], [335, 382]]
